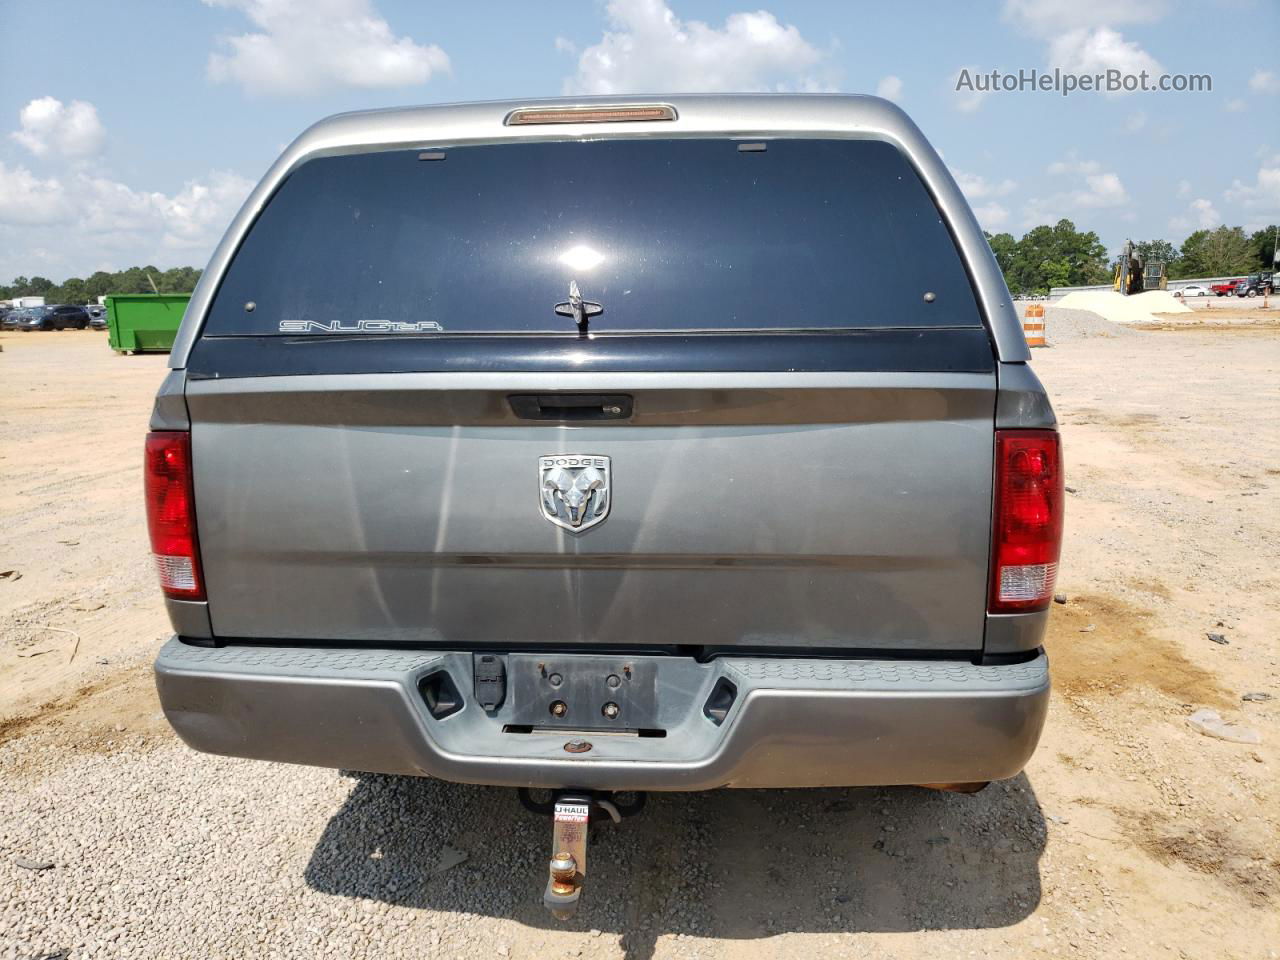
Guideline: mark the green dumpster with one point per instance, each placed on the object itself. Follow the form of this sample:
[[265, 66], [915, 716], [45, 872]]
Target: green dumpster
[[138, 322]]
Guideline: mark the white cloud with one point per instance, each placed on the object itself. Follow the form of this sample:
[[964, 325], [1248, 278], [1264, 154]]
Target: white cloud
[[647, 48], [1264, 81], [1081, 34], [889, 87], [1206, 215], [1200, 213], [1046, 17], [26, 199], [1073, 164], [196, 217], [105, 206], [991, 215], [1263, 195], [1135, 122], [308, 46], [1096, 51], [1235, 106], [977, 187], [51, 127], [1101, 190], [85, 222], [1184, 188], [1094, 189]]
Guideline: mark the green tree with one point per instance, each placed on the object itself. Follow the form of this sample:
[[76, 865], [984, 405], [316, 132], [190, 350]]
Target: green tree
[[178, 280], [1031, 261], [71, 291], [1193, 259], [1003, 246], [1085, 256], [1263, 243], [132, 280], [1161, 250], [1053, 256], [99, 284], [1227, 250]]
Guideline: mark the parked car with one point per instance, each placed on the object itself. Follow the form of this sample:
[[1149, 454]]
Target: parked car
[[9, 318], [1194, 290], [55, 317], [97, 317], [70, 317], [1224, 289], [33, 318], [659, 503]]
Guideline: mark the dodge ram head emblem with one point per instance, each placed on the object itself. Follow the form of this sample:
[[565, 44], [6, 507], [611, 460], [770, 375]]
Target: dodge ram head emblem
[[574, 489]]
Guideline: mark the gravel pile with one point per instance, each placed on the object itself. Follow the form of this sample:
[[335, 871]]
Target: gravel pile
[[1136, 308], [1062, 325]]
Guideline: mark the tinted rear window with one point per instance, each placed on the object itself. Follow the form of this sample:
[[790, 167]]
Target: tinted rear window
[[665, 234]]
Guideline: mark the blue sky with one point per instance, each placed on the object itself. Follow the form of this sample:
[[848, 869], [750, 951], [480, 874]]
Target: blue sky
[[133, 131]]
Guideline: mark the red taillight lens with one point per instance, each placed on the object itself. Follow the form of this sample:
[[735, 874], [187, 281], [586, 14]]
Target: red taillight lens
[[171, 514], [1027, 523]]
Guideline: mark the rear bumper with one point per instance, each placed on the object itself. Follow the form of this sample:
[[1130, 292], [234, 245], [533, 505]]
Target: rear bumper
[[793, 723]]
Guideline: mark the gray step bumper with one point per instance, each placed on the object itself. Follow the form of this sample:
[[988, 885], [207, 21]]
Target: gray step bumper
[[794, 722]]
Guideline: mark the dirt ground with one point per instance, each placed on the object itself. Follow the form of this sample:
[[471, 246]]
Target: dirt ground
[[1232, 304], [1226, 316], [1129, 833], [76, 582]]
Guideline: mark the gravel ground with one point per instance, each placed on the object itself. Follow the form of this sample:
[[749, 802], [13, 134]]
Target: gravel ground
[[157, 852], [1129, 833]]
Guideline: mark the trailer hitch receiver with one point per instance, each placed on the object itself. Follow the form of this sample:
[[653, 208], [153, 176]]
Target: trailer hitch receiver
[[572, 815], [571, 818]]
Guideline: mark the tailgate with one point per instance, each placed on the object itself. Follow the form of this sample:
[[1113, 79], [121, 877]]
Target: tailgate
[[767, 510]]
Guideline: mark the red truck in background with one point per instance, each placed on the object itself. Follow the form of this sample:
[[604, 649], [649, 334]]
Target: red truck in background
[[1224, 289]]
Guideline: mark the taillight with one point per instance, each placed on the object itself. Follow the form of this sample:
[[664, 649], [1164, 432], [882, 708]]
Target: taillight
[[171, 514], [1027, 522]]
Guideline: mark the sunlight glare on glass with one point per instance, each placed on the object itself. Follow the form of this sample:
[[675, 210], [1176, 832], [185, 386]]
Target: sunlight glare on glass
[[581, 257]]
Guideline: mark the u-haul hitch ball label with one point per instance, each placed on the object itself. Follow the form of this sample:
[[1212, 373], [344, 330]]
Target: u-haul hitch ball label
[[572, 812]]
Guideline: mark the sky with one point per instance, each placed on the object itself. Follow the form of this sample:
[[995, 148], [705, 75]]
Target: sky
[[131, 132]]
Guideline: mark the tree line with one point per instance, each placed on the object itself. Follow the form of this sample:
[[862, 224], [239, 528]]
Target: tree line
[[100, 284], [1061, 256], [1216, 253], [1045, 256]]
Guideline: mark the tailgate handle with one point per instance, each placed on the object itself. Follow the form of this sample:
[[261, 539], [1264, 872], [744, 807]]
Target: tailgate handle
[[572, 406]]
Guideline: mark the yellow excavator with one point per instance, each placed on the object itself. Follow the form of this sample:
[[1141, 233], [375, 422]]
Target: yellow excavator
[[1135, 273]]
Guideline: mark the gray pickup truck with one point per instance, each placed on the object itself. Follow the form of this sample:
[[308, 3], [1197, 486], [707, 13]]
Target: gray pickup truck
[[608, 446]]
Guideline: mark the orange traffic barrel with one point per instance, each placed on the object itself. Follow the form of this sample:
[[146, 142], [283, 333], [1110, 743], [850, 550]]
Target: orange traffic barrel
[[1033, 325]]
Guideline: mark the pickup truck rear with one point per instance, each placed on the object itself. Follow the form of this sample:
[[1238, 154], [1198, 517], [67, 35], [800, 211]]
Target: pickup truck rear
[[602, 447]]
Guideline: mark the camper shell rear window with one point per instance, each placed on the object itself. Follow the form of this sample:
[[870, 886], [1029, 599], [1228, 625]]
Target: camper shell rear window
[[675, 235]]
